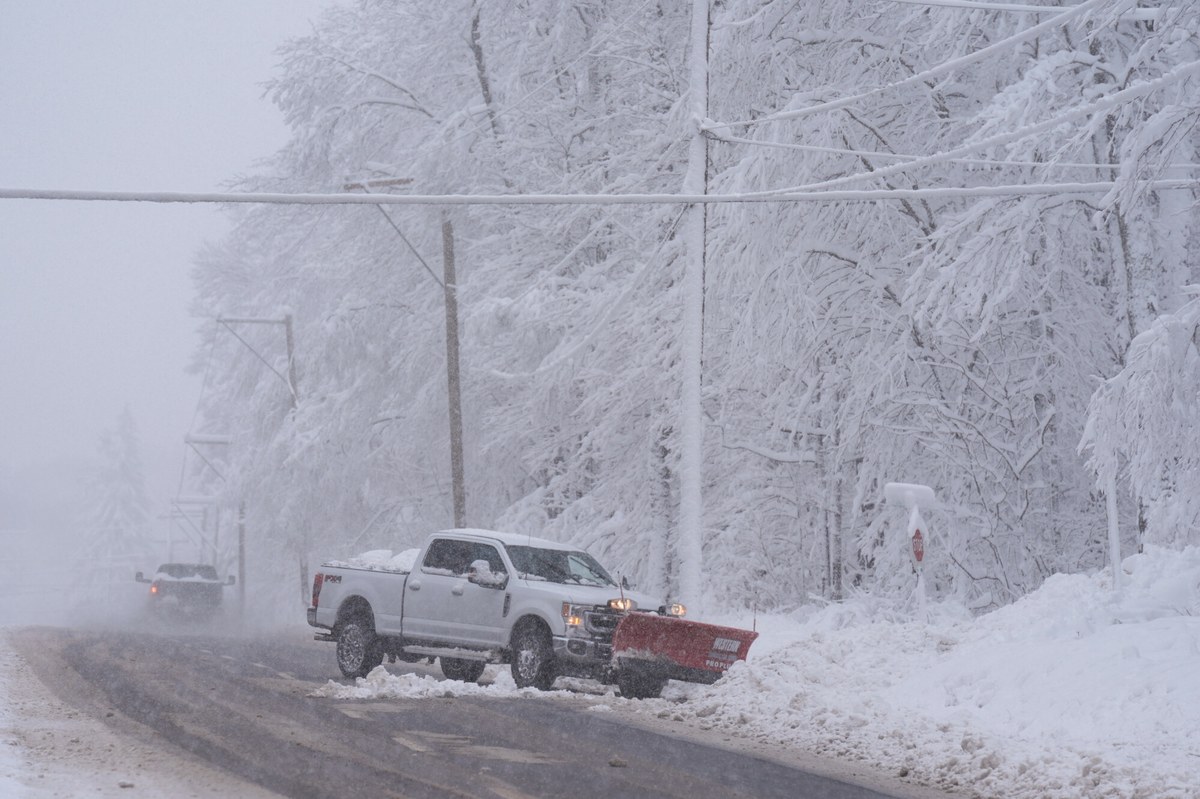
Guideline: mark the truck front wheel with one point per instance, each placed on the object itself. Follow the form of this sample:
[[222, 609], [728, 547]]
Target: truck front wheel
[[532, 657], [465, 670], [358, 650]]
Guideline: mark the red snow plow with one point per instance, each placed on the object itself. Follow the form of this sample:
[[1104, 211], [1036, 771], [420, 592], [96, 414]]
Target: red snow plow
[[649, 649]]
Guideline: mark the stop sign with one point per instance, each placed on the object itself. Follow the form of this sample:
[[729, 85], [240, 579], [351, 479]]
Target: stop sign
[[918, 544]]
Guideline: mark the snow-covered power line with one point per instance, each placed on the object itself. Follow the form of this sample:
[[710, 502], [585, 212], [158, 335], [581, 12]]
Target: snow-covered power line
[[782, 196], [1136, 14]]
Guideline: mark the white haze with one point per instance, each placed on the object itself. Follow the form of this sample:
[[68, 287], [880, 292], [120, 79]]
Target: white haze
[[94, 297]]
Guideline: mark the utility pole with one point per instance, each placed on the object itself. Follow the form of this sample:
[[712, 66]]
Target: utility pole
[[194, 441], [291, 356], [449, 285], [290, 379], [453, 382], [242, 559], [293, 397], [695, 182]]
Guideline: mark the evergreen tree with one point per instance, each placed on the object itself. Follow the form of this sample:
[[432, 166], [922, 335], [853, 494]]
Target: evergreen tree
[[117, 530]]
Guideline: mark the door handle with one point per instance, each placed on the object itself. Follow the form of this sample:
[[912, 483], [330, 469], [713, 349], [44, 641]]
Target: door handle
[[414, 585]]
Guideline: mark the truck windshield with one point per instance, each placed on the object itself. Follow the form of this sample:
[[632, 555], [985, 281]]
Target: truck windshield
[[558, 566]]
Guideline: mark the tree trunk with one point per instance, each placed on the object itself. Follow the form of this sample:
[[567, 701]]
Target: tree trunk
[[485, 87]]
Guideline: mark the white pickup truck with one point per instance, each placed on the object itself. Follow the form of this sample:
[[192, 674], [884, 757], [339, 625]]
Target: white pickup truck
[[473, 597]]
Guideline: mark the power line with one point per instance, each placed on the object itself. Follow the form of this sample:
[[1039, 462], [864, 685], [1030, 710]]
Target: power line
[[782, 196]]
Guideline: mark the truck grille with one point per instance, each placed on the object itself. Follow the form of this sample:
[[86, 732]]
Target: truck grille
[[601, 623]]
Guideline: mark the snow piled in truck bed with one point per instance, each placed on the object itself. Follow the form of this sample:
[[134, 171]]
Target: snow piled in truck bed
[[380, 560], [1074, 691]]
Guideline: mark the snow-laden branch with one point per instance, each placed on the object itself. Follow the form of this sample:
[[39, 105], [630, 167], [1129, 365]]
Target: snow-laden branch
[[803, 456], [984, 162], [207, 438], [251, 320], [1106, 104], [922, 77], [508, 108], [1137, 14], [799, 195], [602, 323]]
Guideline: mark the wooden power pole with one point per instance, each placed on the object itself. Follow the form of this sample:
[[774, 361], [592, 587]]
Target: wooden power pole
[[453, 383]]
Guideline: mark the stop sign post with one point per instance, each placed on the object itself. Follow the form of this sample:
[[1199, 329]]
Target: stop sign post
[[913, 497], [915, 525]]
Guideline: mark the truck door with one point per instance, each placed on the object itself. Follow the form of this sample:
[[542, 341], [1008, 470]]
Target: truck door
[[479, 610], [429, 590], [442, 606]]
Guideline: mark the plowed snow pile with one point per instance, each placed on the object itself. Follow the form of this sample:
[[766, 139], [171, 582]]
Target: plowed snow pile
[[1074, 691]]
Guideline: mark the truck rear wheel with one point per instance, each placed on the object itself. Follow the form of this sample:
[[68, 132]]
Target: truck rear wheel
[[465, 670], [358, 650], [532, 657]]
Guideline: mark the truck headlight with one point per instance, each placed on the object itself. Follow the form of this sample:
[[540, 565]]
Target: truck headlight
[[674, 609], [622, 605], [572, 614]]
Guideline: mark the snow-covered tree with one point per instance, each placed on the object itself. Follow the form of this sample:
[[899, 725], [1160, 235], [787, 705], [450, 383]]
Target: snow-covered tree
[[935, 338], [948, 342], [1144, 424]]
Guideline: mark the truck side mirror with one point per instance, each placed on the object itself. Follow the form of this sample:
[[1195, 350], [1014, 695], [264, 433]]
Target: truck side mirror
[[139, 578], [231, 581], [480, 573]]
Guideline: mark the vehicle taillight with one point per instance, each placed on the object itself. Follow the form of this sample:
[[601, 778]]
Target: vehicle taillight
[[153, 588], [318, 581]]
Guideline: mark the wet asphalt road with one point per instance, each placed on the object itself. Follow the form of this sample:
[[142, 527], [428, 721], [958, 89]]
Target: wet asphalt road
[[244, 704]]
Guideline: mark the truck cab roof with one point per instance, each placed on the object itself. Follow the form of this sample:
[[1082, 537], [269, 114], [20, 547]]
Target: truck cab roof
[[508, 539]]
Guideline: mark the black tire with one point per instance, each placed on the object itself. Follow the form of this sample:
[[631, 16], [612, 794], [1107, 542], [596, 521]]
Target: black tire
[[465, 670], [532, 657], [635, 684], [358, 650]]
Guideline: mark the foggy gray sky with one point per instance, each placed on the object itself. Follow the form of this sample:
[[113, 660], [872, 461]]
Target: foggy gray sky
[[134, 95]]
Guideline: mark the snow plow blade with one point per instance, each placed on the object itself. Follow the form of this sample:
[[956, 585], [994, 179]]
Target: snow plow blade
[[672, 648]]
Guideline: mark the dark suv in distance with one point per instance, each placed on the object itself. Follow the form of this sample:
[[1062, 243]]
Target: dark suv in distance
[[185, 588]]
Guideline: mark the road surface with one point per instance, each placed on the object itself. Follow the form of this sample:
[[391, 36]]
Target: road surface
[[245, 705]]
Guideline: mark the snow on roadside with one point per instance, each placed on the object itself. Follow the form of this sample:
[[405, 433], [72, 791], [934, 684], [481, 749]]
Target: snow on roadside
[[49, 749], [1071, 692], [12, 767], [380, 684]]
